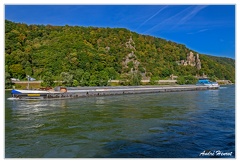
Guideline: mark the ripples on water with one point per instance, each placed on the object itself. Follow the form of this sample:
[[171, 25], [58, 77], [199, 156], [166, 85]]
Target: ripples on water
[[162, 125]]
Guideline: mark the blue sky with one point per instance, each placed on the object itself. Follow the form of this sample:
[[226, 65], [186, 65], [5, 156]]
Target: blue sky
[[207, 29]]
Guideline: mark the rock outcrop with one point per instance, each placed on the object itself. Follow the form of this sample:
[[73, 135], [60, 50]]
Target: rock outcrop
[[130, 63], [130, 44], [191, 60], [198, 62]]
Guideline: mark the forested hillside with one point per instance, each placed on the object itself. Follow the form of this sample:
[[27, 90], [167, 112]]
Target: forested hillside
[[90, 56]]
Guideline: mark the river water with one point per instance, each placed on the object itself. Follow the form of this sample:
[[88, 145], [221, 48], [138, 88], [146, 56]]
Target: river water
[[191, 124]]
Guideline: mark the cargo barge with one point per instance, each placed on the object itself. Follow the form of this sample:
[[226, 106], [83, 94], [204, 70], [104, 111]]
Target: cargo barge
[[76, 92]]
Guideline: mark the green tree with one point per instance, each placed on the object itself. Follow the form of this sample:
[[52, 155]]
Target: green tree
[[67, 78], [8, 83], [135, 79], [85, 79], [93, 81], [16, 70], [112, 74], [181, 80], [130, 64], [186, 80], [48, 80], [190, 79], [75, 83], [77, 74], [28, 70], [103, 78], [154, 80]]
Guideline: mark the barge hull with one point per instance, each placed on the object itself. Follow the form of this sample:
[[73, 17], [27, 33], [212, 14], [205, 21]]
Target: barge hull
[[101, 91]]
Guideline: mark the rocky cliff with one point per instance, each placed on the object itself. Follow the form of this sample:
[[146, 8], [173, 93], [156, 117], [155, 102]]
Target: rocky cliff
[[191, 60]]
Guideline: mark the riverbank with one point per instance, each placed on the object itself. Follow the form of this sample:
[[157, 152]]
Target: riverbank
[[37, 84]]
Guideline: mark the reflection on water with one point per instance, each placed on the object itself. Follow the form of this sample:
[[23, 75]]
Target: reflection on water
[[174, 124]]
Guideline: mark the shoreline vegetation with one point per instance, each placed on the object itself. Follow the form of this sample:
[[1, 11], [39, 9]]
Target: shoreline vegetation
[[91, 56]]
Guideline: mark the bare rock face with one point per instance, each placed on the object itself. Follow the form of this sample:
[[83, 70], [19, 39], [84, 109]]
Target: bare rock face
[[131, 57], [198, 62], [130, 61], [107, 48], [191, 60], [130, 44]]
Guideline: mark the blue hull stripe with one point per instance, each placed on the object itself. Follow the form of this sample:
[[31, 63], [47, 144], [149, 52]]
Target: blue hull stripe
[[15, 92]]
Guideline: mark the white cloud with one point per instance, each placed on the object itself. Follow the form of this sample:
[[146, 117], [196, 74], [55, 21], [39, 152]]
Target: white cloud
[[151, 17], [178, 19]]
